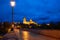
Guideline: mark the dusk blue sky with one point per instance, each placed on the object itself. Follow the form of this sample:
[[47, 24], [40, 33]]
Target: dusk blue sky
[[40, 11]]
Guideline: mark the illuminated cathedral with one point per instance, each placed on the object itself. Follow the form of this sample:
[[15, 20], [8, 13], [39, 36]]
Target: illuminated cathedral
[[28, 22]]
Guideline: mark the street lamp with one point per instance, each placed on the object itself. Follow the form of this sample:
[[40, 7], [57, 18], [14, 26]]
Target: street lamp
[[12, 3]]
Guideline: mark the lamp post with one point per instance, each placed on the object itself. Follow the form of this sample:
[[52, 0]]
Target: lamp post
[[12, 3]]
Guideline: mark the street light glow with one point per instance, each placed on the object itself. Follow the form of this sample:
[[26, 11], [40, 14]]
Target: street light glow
[[12, 3], [48, 24]]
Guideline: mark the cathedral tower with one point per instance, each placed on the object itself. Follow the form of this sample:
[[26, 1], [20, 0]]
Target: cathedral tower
[[24, 20]]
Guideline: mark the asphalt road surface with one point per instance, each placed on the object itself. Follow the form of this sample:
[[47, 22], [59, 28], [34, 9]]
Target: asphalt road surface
[[25, 35]]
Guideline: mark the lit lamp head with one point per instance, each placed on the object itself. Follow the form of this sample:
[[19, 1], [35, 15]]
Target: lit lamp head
[[12, 3]]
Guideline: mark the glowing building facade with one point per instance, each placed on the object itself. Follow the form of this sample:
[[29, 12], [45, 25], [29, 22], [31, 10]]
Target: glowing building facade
[[28, 22]]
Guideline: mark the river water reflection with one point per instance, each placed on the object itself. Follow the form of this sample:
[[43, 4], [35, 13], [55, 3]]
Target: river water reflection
[[26, 35]]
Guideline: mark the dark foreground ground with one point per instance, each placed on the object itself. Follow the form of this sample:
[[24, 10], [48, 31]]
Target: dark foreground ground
[[33, 34]]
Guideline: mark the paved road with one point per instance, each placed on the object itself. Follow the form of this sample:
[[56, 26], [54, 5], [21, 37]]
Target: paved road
[[25, 35]]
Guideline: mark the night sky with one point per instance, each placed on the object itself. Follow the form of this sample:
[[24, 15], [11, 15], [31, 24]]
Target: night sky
[[40, 11]]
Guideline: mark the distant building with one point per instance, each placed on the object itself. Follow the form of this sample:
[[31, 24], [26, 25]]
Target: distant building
[[28, 22]]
